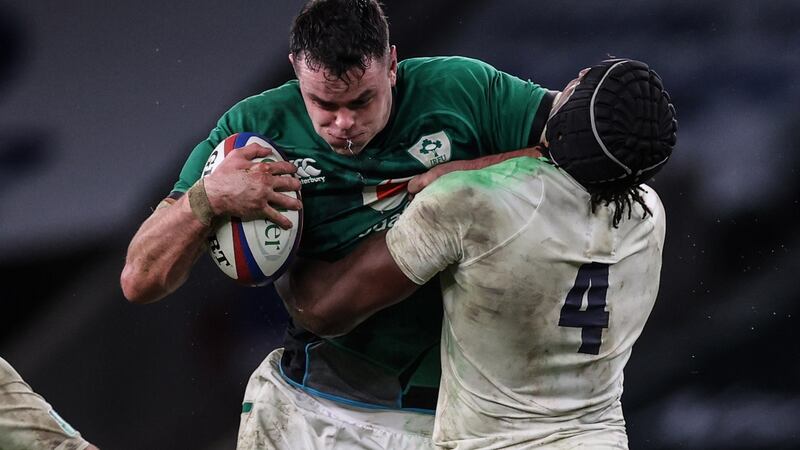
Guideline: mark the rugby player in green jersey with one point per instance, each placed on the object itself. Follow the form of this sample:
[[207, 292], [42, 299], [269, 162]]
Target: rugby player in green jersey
[[362, 132]]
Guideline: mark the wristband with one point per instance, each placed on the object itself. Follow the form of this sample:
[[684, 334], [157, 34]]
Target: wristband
[[198, 202], [165, 203]]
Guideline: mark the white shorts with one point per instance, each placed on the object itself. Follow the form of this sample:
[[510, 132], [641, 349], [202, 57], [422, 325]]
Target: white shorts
[[27, 421], [285, 417]]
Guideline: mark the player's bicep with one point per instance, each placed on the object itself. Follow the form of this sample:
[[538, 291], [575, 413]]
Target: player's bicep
[[379, 282]]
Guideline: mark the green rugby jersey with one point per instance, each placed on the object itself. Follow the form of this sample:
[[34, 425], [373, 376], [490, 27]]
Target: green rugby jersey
[[443, 109]]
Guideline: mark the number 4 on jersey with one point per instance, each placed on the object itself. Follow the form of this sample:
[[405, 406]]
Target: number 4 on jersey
[[592, 280]]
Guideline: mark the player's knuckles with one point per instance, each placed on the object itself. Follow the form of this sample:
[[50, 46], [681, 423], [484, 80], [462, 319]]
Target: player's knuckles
[[233, 164], [284, 184], [284, 201], [253, 150], [414, 186], [260, 179], [259, 167], [282, 167]]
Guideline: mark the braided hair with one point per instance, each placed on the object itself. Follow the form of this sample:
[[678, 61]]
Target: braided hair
[[614, 133]]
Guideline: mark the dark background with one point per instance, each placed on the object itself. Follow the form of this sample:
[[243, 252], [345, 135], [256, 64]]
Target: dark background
[[100, 102]]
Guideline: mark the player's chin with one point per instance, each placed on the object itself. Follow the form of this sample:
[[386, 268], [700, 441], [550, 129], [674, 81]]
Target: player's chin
[[343, 140], [346, 149]]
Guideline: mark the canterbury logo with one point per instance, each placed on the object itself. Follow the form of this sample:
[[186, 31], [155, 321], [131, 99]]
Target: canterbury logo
[[307, 172]]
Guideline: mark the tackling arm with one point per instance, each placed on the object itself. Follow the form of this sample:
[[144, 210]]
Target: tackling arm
[[331, 298], [419, 182]]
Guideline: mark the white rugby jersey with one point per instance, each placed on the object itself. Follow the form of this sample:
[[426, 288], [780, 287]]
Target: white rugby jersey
[[27, 421], [543, 301]]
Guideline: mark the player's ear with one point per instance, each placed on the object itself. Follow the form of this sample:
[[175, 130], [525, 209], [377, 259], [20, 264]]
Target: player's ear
[[393, 64], [294, 61]]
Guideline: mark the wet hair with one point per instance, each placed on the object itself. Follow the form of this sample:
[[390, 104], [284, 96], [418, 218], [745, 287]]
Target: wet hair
[[615, 132], [340, 35]]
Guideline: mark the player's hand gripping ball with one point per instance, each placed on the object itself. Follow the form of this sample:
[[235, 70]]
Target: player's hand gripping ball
[[254, 252]]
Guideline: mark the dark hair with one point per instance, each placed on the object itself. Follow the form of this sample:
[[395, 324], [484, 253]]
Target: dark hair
[[340, 35], [616, 131]]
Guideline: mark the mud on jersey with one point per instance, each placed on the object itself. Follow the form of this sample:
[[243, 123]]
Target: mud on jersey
[[444, 109], [543, 301]]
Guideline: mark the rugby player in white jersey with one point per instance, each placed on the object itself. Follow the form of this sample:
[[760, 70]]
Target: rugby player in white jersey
[[549, 269], [28, 422]]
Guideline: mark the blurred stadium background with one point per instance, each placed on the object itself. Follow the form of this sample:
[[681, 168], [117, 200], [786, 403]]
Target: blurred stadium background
[[100, 103]]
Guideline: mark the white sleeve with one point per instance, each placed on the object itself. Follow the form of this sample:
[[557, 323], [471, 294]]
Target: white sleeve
[[427, 237], [27, 420]]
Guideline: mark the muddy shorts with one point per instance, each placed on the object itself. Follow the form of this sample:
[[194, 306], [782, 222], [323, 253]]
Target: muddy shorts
[[277, 415]]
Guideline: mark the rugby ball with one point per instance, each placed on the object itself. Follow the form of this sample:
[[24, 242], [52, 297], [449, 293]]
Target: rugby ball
[[253, 252]]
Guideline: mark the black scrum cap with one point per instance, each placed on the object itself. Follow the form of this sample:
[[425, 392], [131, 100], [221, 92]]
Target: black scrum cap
[[616, 130]]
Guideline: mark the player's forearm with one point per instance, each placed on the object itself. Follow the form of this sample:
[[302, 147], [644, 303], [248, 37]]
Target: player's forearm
[[162, 253], [332, 298], [311, 298], [419, 182], [489, 160]]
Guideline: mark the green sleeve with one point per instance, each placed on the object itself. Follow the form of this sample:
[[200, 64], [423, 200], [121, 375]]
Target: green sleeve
[[242, 117], [193, 167], [507, 107], [510, 110]]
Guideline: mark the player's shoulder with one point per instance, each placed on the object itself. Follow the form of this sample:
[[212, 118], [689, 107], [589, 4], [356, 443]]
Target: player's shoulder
[[286, 94], [278, 108], [643, 225], [654, 204], [447, 69], [444, 63]]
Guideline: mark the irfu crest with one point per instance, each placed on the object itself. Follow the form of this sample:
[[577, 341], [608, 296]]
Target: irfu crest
[[432, 149]]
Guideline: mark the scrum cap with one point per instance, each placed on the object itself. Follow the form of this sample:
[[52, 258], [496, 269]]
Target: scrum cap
[[616, 130]]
